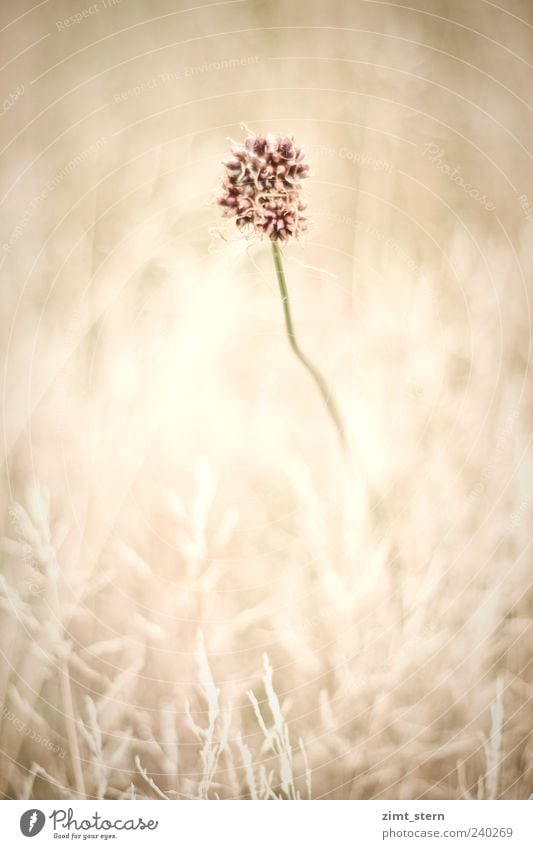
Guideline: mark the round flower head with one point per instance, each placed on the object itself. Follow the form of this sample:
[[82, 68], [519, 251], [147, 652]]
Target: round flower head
[[262, 187]]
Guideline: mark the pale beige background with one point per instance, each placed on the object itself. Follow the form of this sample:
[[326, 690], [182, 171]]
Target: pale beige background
[[168, 469]]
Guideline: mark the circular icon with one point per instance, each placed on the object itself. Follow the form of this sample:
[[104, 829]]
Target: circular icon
[[32, 822]]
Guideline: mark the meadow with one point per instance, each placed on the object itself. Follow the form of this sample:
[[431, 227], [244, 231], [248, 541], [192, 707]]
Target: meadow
[[199, 596]]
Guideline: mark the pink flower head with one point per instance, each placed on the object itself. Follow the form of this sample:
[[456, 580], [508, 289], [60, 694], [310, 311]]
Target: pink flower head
[[262, 187]]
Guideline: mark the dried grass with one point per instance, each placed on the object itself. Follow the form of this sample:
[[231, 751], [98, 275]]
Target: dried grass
[[173, 501]]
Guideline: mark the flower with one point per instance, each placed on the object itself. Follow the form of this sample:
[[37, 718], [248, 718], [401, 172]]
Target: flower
[[262, 187]]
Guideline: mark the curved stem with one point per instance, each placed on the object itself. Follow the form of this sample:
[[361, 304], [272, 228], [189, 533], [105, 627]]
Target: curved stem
[[327, 397], [354, 460]]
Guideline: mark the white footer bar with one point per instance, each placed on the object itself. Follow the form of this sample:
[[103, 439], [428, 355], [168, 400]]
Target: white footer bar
[[268, 825]]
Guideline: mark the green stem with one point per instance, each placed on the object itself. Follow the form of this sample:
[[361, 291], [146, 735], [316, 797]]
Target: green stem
[[354, 460], [327, 397]]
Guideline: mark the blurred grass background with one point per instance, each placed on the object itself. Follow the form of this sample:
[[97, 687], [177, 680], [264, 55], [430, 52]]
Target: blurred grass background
[[173, 465]]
